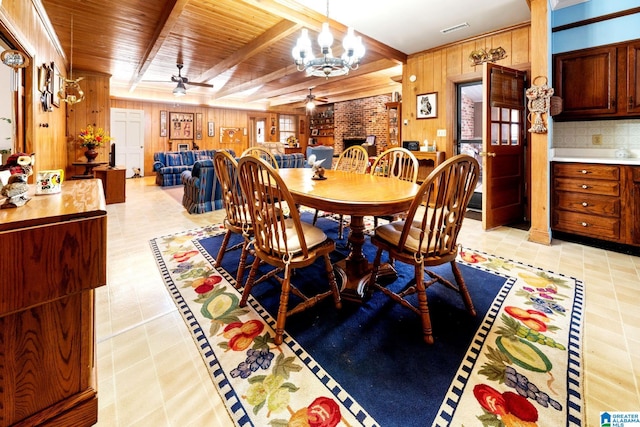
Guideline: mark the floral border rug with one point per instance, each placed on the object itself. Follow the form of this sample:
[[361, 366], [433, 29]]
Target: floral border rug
[[523, 367]]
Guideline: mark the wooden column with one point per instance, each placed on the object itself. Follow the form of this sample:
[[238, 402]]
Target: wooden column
[[540, 231]]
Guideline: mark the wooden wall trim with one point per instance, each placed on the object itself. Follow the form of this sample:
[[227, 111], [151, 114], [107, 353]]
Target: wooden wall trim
[[48, 28], [602, 18], [9, 28]]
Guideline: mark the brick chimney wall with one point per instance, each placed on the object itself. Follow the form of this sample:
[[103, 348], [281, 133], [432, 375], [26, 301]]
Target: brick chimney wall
[[467, 118], [360, 118]]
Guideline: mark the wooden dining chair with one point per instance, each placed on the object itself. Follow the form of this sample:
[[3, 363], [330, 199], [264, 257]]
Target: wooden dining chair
[[237, 219], [281, 239], [354, 159], [398, 163], [261, 153], [428, 236]]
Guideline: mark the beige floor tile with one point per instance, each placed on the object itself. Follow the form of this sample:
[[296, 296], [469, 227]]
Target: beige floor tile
[[151, 373]]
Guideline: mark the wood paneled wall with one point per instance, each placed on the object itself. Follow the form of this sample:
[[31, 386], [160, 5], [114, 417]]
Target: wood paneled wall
[[438, 70], [44, 131], [219, 116]]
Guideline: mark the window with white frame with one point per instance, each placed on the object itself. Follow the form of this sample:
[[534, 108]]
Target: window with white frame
[[287, 127]]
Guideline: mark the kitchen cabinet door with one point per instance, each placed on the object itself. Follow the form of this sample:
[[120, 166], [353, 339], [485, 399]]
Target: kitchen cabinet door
[[633, 81], [586, 80]]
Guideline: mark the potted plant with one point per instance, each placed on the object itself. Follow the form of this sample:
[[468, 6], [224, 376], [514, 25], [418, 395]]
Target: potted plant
[[90, 138]]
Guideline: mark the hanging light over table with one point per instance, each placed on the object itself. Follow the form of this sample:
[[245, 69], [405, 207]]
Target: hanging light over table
[[71, 92], [327, 65]]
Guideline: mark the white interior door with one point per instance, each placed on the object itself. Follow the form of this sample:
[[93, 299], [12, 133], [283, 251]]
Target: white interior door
[[127, 130]]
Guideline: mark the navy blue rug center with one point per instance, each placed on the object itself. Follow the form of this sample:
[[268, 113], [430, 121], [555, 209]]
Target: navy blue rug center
[[375, 350]]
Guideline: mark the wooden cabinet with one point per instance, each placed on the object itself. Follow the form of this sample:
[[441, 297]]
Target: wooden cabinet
[[634, 196], [321, 126], [600, 201], [600, 82], [427, 162], [394, 116], [633, 82], [54, 255], [113, 182]]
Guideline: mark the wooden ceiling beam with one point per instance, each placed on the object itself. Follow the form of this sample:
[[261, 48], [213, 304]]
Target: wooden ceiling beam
[[302, 15], [366, 68], [170, 15], [263, 42]]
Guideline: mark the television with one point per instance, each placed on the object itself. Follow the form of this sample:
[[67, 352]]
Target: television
[[112, 155]]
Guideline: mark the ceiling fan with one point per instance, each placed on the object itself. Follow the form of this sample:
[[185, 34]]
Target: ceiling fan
[[182, 81], [310, 100]]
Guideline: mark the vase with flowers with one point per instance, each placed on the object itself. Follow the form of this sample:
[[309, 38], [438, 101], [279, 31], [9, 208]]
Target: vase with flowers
[[90, 138]]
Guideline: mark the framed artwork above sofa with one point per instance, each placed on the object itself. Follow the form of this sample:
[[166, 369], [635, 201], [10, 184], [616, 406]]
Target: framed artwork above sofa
[[181, 126]]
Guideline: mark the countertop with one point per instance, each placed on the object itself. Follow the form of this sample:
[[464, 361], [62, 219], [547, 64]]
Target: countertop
[[594, 155]]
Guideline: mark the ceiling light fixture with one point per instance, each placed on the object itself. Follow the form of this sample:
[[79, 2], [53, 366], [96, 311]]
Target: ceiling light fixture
[[71, 92], [327, 65], [454, 28], [180, 90]]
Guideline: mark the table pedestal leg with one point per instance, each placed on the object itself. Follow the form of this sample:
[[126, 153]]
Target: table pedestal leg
[[355, 270]]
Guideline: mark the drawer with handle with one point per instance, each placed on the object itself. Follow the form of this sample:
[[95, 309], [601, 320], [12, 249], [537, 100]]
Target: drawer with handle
[[586, 171], [590, 186], [587, 203], [587, 225]]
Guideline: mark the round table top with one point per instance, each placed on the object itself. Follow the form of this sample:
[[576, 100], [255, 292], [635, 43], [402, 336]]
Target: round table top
[[349, 193]]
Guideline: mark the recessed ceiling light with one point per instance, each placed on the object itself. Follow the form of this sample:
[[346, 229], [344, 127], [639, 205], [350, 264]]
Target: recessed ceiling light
[[454, 28]]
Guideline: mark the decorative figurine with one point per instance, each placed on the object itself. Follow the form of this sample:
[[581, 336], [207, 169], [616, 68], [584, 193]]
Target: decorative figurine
[[318, 171], [15, 191]]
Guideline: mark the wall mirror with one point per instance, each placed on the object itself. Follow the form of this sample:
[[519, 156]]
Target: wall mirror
[[12, 113]]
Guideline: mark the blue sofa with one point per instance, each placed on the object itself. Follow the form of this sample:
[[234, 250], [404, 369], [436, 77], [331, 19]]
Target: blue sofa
[[322, 152], [202, 192], [169, 165]]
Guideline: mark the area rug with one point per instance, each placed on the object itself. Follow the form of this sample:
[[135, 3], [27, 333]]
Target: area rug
[[518, 362]]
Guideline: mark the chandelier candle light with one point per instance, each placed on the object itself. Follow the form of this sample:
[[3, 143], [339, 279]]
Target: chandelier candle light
[[327, 65]]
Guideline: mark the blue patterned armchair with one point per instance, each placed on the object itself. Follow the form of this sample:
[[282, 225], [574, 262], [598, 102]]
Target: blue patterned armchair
[[202, 192], [169, 165]]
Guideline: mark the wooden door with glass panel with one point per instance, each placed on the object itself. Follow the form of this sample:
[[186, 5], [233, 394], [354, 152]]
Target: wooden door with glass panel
[[503, 144]]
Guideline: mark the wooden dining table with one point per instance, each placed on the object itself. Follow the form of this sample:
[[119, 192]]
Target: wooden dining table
[[356, 195]]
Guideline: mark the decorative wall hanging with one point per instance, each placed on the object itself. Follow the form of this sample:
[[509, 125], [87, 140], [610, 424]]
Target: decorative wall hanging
[[198, 125], [14, 59], [230, 135], [70, 90], [539, 97], [211, 129], [163, 123], [427, 105], [181, 125], [55, 85], [477, 57]]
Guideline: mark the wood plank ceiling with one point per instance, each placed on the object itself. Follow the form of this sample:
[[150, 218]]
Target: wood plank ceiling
[[242, 47]]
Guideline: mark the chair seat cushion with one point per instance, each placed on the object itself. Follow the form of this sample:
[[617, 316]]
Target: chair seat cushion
[[312, 234], [392, 231]]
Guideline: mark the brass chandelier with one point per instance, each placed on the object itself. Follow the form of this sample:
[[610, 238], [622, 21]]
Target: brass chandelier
[[327, 65]]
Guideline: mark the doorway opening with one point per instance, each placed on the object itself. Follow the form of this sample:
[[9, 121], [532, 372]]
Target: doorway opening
[[469, 107]]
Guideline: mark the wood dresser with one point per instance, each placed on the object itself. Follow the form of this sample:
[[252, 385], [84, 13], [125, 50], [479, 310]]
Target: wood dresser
[[600, 201], [54, 252]]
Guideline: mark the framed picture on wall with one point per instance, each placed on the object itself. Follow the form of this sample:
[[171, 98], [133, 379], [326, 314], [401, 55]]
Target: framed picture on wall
[[198, 125], [55, 85], [427, 106], [163, 123], [211, 131], [181, 126]]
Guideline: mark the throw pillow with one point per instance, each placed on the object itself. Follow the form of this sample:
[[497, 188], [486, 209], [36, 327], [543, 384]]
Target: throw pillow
[[174, 160]]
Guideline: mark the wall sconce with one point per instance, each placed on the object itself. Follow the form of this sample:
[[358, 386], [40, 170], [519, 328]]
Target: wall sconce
[[15, 60], [477, 57]]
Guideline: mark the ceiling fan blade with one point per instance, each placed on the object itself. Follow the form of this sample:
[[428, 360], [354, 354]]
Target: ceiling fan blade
[[199, 84]]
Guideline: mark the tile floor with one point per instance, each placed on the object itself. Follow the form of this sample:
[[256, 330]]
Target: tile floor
[[151, 374]]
